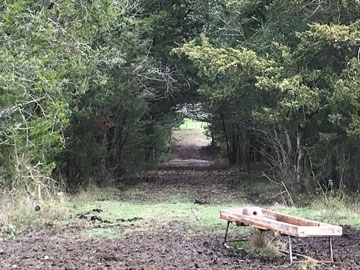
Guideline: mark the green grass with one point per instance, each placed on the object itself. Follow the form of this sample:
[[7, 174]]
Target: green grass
[[192, 124], [328, 215], [242, 245], [179, 207], [103, 233], [196, 217]]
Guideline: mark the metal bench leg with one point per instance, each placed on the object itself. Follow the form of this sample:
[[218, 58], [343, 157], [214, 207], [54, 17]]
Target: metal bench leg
[[331, 250], [226, 232], [290, 251]]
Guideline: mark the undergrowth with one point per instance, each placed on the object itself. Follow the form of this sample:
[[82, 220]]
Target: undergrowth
[[21, 213], [336, 208]]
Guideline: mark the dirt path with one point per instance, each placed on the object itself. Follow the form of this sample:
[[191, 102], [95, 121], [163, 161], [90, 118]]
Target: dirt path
[[191, 150], [170, 245]]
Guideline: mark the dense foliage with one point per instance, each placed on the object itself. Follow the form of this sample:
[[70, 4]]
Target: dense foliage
[[281, 84], [89, 89], [80, 93]]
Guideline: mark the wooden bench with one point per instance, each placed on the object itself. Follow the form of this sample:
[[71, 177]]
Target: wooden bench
[[290, 226]]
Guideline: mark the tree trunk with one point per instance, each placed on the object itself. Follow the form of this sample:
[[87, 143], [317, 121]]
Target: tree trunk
[[149, 155], [121, 139], [226, 137], [234, 155], [300, 159]]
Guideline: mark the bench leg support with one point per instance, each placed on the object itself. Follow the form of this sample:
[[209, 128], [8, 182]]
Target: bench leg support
[[290, 251], [331, 250], [226, 232]]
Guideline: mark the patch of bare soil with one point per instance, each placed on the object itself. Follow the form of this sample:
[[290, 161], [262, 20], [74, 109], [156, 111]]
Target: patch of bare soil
[[167, 247], [194, 152], [205, 183]]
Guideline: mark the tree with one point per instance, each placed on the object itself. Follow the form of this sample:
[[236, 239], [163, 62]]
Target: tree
[[281, 73], [79, 92]]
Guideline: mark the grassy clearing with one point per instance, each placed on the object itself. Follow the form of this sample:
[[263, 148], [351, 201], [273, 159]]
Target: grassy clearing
[[193, 124], [18, 215], [198, 218], [63, 213]]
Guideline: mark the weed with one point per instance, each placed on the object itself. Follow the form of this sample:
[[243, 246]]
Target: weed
[[19, 213], [270, 250], [259, 240], [261, 243], [9, 232], [310, 263], [241, 245]]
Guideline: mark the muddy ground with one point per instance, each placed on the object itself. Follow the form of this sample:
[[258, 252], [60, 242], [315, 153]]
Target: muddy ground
[[168, 246], [160, 248]]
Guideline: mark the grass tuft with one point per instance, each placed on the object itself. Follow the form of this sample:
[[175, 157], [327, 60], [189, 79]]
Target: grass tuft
[[242, 245], [262, 244], [310, 263], [19, 213]]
